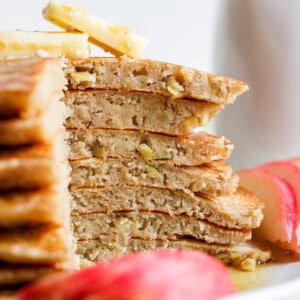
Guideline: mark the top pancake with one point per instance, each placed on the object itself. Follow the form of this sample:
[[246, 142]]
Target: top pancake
[[124, 73]]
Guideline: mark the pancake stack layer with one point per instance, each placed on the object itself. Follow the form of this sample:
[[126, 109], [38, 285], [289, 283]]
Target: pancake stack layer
[[141, 177], [35, 236]]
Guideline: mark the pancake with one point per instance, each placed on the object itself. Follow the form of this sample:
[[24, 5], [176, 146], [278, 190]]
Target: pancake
[[43, 206], [241, 210], [126, 74], [26, 86], [122, 226], [245, 255], [113, 109], [38, 129], [215, 178], [16, 274], [36, 245], [191, 150], [36, 166]]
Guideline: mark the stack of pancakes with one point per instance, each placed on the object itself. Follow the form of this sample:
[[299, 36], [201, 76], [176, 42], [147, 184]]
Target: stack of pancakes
[[35, 236], [142, 178]]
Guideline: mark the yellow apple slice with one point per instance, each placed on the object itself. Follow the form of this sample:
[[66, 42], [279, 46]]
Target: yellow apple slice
[[117, 40], [26, 44]]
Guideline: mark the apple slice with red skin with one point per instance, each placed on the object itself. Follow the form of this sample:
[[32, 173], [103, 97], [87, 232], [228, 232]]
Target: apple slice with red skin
[[159, 275], [295, 161], [280, 204], [290, 172]]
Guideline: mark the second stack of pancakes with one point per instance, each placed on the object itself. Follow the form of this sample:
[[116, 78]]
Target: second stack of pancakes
[[35, 235], [141, 177]]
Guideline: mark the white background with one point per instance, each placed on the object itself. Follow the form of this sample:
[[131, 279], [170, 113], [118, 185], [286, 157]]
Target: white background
[[179, 31]]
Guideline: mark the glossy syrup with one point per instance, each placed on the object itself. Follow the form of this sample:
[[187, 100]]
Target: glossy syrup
[[265, 274]]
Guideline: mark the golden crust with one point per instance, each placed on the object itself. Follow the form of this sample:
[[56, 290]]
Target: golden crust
[[40, 128], [36, 245], [15, 274], [33, 207], [26, 85], [31, 167]]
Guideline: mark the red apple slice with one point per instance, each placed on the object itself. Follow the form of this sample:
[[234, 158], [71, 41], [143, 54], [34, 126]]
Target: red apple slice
[[159, 275], [288, 171], [280, 204]]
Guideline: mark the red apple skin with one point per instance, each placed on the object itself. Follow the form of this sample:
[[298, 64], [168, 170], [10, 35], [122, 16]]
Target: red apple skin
[[280, 204], [290, 172], [159, 275]]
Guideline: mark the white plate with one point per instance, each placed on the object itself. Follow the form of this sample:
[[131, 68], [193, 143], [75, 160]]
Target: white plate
[[277, 280]]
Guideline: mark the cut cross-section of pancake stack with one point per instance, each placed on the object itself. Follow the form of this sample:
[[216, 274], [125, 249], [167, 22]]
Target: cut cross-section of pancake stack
[[35, 235], [141, 177]]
